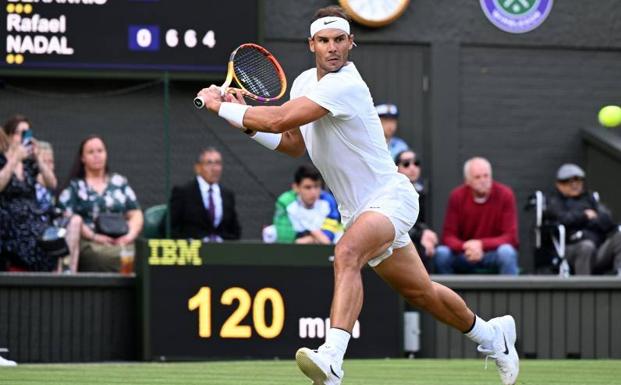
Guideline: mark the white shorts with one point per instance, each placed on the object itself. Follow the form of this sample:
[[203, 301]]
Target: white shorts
[[400, 204]]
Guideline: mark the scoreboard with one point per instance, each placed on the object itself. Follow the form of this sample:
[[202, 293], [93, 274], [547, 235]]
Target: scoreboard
[[188, 36], [240, 300]]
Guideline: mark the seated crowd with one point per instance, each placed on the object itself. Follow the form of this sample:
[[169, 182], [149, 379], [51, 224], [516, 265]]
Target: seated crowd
[[93, 219]]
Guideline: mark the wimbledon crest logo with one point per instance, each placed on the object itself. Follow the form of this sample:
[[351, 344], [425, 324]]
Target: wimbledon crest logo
[[517, 16]]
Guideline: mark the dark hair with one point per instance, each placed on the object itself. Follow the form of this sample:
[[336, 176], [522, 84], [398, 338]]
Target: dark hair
[[11, 125], [206, 150], [77, 168], [306, 171], [332, 10]]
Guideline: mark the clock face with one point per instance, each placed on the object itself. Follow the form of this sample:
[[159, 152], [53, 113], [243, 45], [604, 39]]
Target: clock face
[[374, 13]]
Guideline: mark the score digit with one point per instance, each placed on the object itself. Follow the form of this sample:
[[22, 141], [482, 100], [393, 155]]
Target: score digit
[[144, 38], [202, 302], [232, 327], [189, 37], [172, 38], [209, 39]]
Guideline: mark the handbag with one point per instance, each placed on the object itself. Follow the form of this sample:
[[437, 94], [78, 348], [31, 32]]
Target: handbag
[[53, 242], [111, 224]]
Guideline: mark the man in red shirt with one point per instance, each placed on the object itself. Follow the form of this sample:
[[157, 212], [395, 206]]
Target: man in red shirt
[[480, 226]]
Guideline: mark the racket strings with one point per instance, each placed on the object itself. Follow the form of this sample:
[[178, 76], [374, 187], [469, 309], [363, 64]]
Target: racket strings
[[256, 73]]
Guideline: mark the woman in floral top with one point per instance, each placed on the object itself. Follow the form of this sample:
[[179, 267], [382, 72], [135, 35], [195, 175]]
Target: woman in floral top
[[93, 189]]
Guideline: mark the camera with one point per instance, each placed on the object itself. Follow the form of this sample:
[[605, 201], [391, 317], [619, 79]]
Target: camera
[[27, 140]]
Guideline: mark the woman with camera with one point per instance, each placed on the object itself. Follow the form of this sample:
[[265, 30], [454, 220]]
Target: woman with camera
[[110, 212], [22, 223]]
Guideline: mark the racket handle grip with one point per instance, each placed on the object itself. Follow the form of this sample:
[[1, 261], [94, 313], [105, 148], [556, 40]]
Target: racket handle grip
[[199, 102]]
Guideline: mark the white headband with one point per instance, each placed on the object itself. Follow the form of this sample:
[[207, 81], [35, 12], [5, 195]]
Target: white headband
[[329, 22]]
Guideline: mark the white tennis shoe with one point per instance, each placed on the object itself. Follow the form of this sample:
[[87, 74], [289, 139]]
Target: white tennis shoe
[[5, 362], [503, 349], [319, 366]]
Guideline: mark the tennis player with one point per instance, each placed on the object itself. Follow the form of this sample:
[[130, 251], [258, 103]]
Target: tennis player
[[331, 114]]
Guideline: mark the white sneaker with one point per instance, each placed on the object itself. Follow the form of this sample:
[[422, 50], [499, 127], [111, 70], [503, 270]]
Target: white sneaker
[[5, 362], [319, 367], [503, 349]]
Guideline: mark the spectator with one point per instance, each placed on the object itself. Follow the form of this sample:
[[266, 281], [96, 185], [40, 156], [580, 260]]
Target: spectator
[[92, 189], [203, 208], [594, 242], [45, 198], [47, 204], [307, 214], [45, 195], [389, 115], [423, 237], [480, 226], [21, 221]]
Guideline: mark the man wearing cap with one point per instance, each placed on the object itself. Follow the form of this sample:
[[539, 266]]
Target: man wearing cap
[[594, 242], [389, 116], [331, 115]]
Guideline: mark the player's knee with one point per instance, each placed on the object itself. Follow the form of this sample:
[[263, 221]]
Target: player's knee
[[346, 257]]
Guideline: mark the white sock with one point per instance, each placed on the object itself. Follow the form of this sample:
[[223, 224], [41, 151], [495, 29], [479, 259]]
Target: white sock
[[482, 332], [336, 343]]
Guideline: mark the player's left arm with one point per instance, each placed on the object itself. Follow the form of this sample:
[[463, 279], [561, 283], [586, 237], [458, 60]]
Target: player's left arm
[[292, 143], [283, 122], [285, 119]]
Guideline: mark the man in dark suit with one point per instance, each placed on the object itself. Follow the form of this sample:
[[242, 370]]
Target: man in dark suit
[[202, 208]]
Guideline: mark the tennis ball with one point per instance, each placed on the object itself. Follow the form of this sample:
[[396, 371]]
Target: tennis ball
[[610, 116]]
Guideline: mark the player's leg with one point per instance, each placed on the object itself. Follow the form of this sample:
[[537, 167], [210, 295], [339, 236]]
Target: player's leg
[[369, 236], [404, 271]]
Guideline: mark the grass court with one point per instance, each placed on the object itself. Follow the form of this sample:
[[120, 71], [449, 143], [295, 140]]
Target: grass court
[[358, 372]]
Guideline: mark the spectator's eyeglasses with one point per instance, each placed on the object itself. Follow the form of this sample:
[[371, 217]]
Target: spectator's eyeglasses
[[407, 163], [571, 180]]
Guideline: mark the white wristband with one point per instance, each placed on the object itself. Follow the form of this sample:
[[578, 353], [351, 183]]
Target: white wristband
[[268, 140], [234, 113]]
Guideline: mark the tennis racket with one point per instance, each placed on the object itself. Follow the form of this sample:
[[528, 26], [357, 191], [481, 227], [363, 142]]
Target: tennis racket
[[256, 71]]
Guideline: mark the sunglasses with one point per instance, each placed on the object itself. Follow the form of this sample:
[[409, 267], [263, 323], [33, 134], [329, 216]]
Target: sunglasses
[[409, 162]]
